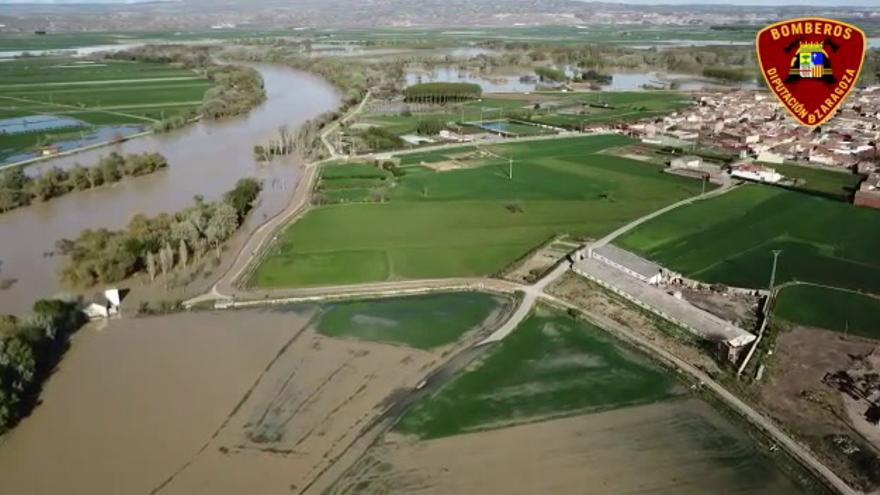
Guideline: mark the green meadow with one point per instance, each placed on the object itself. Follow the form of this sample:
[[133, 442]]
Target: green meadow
[[98, 92], [729, 239], [590, 108], [422, 322], [833, 309], [471, 221], [835, 185], [551, 366]]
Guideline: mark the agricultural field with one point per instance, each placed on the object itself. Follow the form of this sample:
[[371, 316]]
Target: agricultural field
[[96, 92], [351, 182], [833, 309], [514, 113], [557, 406], [471, 220], [729, 240], [551, 366], [599, 107], [834, 185], [421, 322]]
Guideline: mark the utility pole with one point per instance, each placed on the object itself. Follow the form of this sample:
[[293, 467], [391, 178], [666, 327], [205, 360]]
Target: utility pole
[[510, 169], [776, 253]]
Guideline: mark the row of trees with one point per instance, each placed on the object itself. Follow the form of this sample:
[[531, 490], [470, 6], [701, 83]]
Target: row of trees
[[18, 189], [30, 349], [442, 92], [236, 89], [157, 245]]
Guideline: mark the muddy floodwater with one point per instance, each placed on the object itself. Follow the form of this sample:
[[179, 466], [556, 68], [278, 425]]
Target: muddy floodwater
[[252, 401], [205, 159], [279, 400]]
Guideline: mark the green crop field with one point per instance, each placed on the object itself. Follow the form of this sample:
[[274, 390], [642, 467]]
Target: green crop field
[[729, 239], [580, 108], [99, 93], [571, 110], [423, 322], [837, 185], [471, 221], [550, 366], [823, 307]]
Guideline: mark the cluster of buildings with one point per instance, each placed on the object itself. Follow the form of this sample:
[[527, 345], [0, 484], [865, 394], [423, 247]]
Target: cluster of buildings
[[753, 124], [644, 282]]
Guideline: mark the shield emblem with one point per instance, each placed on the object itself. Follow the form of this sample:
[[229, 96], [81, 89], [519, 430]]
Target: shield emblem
[[811, 65]]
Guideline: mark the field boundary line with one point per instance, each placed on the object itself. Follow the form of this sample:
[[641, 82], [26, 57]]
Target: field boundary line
[[64, 105]]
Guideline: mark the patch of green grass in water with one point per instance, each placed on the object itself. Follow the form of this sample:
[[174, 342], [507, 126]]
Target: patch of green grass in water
[[423, 322], [550, 366]]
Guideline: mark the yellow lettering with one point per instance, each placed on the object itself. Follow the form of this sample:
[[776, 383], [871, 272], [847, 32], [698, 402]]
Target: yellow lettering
[[828, 29], [847, 33], [774, 33]]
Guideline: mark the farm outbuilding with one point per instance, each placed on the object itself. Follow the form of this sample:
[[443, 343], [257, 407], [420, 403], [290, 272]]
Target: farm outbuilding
[[629, 263]]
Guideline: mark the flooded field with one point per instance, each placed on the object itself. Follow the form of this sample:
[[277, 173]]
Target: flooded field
[[225, 403], [621, 81], [559, 406], [205, 159], [670, 448]]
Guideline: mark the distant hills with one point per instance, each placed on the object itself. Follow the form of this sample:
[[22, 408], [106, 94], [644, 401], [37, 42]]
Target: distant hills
[[72, 15]]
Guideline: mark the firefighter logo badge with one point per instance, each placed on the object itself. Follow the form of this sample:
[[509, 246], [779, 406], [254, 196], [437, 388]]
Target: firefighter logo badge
[[811, 65]]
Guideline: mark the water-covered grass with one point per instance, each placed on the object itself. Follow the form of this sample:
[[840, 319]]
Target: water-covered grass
[[423, 322], [99, 92], [551, 365]]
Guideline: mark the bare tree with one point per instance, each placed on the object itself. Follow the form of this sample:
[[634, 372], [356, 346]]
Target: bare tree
[[151, 266], [166, 263], [183, 255]]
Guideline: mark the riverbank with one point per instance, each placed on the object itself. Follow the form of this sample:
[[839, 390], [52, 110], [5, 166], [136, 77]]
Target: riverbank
[[208, 158]]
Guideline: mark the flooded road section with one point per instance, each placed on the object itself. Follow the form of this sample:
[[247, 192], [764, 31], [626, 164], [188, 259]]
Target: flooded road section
[[205, 159]]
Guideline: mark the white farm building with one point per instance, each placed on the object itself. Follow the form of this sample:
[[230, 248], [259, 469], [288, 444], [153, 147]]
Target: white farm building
[[757, 173], [629, 263]]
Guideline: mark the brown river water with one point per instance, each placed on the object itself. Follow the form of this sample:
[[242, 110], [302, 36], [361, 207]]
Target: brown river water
[[206, 159]]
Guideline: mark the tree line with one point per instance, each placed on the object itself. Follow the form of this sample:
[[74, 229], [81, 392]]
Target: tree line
[[30, 349], [442, 92], [236, 89], [18, 189], [157, 245]]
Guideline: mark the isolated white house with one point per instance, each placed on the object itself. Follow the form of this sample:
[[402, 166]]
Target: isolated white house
[[104, 305]]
